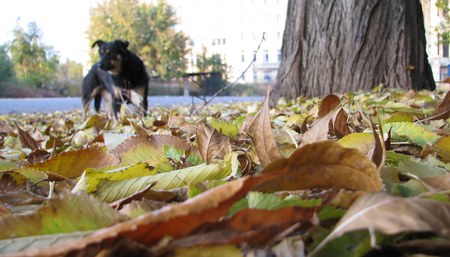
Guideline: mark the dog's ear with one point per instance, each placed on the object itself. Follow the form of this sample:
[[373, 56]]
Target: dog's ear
[[123, 44], [98, 42]]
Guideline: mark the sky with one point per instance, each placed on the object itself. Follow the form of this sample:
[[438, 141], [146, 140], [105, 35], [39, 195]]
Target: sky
[[63, 22]]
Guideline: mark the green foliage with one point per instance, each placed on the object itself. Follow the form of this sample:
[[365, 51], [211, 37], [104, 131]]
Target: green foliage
[[68, 78], [211, 63], [148, 27], [443, 29], [6, 65], [34, 62]]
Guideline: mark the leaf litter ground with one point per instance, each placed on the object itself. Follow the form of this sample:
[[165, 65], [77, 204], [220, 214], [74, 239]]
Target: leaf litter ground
[[360, 174]]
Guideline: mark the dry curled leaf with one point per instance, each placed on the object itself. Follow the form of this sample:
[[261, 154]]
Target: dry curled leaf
[[324, 164], [443, 110], [176, 220], [391, 215], [211, 143], [26, 139], [261, 131]]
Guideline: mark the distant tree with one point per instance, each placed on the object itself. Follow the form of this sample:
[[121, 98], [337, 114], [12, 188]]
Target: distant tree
[[33, 61], [211, 63], [341, 46], [148, 27], [6, 65], [443, 29], [68, 78]]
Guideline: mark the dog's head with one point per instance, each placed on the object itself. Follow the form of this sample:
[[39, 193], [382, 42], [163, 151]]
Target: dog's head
[[112, 55]]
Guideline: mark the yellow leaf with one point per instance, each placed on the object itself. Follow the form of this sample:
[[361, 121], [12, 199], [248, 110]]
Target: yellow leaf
[[361, 141]]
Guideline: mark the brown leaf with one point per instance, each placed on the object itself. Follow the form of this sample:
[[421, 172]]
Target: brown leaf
[[254, 226], [37, 156], [176, 220], [340, 124], [328, 104], [72, 164], [304, 126], [324, 164], [261, 131], [378, 153], [319, 131], [438, 183], [211, 143], [391, 215], [27, 140], [443, 110], [152, 147]]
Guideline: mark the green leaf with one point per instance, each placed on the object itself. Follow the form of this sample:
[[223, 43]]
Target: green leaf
[[91, 178], [412, 132], [26, 243], [330, 212], [70, 213], [419, 169], [110, 191], [173, 153], [409, 188], [225, 127]]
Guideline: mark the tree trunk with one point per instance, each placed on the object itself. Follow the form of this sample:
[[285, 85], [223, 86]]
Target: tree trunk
[[337, 46]]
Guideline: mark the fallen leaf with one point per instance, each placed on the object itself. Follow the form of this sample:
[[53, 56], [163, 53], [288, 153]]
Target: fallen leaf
[[176, 220], [437, 183], [392, 215], [412, 132], [219, 250], [211, 143], [27, 140], [361, 141], [442, 147], [69, 213], [319, 131], [149, 149], [443, 110], [72, 164], [261, 131], [328, 104], [324, 164], [110, 191], [254, 226]]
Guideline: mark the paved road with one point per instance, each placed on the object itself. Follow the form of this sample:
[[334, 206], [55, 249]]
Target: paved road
[[29, 105]]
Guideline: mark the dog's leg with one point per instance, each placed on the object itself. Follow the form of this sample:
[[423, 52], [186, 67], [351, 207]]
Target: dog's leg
[[109, 104], [139, 102], [97, 102], [85, 110]]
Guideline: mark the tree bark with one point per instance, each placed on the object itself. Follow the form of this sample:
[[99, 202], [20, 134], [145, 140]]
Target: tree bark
[[337, 46]]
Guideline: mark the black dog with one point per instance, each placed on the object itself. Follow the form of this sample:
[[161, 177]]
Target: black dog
[[119, 77]]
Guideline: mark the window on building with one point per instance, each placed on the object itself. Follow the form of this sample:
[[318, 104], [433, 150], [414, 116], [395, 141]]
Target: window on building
[[213, 42], [224, 41], [267, 76], [278, 35], [279, 55], [242, 56], [219, 41], [255, 76], [266, 56], [444, 50]]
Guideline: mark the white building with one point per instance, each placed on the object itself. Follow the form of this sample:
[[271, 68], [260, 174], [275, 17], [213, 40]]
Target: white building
[[438, 54], [234, 29]]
